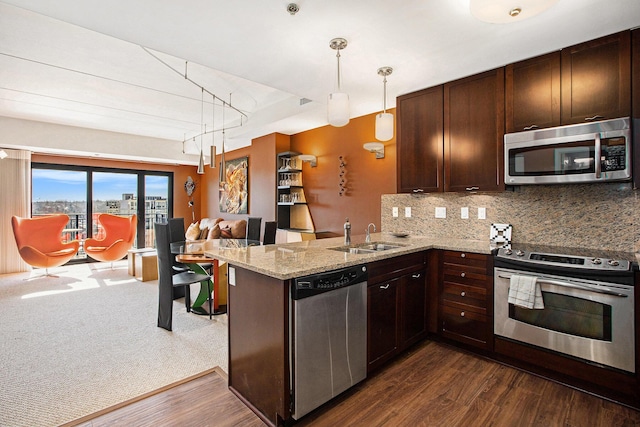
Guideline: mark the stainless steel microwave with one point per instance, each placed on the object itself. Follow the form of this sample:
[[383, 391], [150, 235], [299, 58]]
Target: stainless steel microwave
[[589, 152]]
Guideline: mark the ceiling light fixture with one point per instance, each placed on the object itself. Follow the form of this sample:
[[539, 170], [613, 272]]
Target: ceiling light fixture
[[212, 158], [338, 105], [310, 158], [223, 165], [384, 120], [375, 147], [292, 8], [506, 11], [201, 161], [3, 154]]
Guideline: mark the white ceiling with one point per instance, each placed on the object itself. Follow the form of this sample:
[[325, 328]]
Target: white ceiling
[[82, 62]]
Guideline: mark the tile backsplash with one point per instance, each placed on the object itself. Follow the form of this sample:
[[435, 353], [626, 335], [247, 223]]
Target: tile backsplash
[[597, 216]]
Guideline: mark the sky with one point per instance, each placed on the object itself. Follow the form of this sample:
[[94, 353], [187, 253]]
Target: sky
[[53, 185]]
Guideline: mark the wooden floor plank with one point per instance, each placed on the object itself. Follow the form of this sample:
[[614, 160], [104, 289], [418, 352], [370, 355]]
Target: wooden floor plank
[[431, 385]]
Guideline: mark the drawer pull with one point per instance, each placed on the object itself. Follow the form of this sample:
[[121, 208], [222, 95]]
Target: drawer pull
[[462, 314], [416, 276], [530, 127], [474, 188], [463, 293], [463, 255], [463, 274], [418, 190], [384, 286], [590, 119]]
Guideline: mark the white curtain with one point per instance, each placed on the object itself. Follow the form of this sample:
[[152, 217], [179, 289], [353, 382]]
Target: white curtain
[[15, 199]]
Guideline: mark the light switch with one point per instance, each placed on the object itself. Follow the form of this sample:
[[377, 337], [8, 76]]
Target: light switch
[[482, 213], [407, 212], [464, 213], [441, 212], [231, 276], [394, 211]]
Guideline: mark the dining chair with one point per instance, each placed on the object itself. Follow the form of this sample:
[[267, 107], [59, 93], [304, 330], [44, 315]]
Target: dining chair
[[269, 237], [253, 228], [167, 279]]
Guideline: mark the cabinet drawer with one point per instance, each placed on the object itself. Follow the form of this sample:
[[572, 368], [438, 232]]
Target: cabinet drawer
[[480, 262], [465, 276], [465, 326], [390, 268], [461, 295]]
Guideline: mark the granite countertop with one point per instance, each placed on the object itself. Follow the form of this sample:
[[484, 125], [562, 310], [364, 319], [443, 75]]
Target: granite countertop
[[291, 260]]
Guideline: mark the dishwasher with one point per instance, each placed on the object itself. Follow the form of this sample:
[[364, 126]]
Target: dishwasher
[[328, 348]]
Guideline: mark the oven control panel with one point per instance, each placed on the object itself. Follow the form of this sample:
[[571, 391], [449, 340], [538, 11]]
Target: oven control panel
[[567, 261]]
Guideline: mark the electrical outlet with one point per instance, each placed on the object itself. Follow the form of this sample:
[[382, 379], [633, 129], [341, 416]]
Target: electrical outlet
[[394, 211], [464, 213], [482, 213], [441, 212], [407, 212]]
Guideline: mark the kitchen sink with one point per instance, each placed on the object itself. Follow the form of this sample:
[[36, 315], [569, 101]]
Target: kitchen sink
[[367, 248]]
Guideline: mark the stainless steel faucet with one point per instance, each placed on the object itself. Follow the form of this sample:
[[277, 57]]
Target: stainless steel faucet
[[368, 238]]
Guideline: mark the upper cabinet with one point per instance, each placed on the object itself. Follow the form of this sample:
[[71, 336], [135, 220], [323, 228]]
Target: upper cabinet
[[473, 133], [596, 79], [532, 98], [420, 143], [586, 82]]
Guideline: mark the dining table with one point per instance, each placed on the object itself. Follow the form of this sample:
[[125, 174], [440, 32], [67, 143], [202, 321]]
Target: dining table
[[192, 254]]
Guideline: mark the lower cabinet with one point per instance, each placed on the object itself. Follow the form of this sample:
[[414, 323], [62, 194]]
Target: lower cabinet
[[466, 298], [397, 307]]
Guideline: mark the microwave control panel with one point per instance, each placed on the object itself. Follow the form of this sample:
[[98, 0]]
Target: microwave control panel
[[613, 158]]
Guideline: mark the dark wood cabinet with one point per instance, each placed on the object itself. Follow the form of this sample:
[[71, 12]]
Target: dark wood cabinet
[[473, 133], [532, 93], [466, 298], [420, 143], [397, 307], [635, 106], [596, 82], [382, 335]]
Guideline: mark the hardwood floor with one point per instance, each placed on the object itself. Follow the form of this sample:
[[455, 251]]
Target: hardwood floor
[[432, 385]]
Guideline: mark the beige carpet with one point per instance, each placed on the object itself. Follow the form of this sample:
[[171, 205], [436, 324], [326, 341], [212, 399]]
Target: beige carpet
[[87, 340]]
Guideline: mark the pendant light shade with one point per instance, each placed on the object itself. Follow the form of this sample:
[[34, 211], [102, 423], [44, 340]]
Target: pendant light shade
[[338, 109], [384, 120], [201, 163], [338, 102], [384, 126]]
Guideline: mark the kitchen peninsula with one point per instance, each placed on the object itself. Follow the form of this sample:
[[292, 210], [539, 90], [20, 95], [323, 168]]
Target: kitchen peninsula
[[260, 306]]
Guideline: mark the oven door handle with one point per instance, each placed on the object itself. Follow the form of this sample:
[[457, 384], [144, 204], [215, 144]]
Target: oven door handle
[[606, 291]]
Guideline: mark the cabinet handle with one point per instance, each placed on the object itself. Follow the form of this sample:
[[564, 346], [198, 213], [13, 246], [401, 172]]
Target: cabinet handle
[[418, 190], [472, 188], [463, 293], [463, 255], [463, 274], [530, 127], [590, 119], [384, 286], [462, 314], [416, 276]]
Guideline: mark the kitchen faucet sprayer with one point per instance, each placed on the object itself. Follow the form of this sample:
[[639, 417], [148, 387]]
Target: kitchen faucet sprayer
[[368, 238]]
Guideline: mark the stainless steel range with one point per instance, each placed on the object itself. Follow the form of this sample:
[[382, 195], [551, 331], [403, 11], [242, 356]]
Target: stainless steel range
[[587, 299]]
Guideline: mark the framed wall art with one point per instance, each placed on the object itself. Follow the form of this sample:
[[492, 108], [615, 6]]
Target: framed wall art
[[234, 191]]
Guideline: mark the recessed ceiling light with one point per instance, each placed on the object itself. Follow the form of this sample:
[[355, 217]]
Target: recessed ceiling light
[[506, 11]]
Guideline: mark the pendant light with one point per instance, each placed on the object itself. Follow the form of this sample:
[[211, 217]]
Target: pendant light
[[201, 162], [223, 165], [338, 104], [384, 120], [212, 158]]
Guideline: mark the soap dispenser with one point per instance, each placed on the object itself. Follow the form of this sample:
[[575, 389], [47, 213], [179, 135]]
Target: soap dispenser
[[347, 232]]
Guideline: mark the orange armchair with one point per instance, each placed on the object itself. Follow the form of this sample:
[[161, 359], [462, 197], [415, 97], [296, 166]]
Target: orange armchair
[[40, 243], [120, 233]]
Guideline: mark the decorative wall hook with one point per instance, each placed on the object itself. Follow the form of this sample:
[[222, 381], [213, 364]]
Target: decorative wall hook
[[342, 176]]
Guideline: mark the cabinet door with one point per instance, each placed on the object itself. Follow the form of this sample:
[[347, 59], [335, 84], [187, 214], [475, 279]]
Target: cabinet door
[[473, 133], [382, 335], [413, 307], [635, 110], [532, 93], [596, 79], [419, 147]]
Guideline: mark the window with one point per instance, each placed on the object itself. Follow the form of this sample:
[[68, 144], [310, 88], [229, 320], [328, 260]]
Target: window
[[84, 192]]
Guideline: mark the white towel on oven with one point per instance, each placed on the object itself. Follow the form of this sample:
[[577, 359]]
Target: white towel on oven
[[524, 291]]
